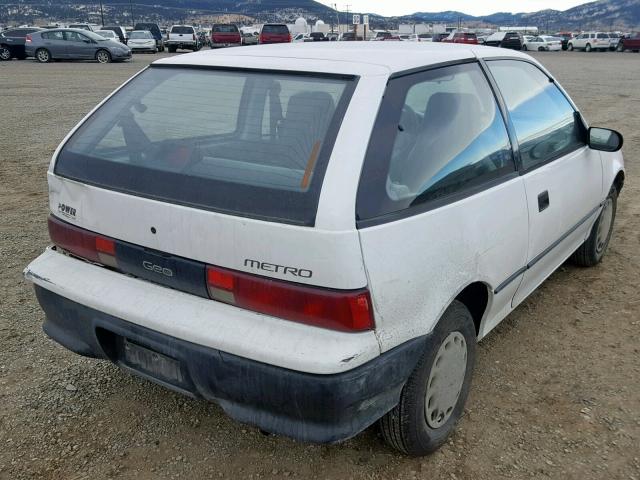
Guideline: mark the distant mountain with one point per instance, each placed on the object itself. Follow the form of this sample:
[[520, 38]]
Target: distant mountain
[[601, 14]]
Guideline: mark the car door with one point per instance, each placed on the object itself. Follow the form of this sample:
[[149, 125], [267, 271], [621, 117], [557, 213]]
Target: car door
[[79, 46], [562, 176], [440, 204], [55, 43], [14, 39]]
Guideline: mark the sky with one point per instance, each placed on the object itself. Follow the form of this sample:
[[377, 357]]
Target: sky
[[471, 7]]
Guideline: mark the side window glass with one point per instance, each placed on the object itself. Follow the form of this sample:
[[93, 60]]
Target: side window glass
[[443, 135], [544, 121]]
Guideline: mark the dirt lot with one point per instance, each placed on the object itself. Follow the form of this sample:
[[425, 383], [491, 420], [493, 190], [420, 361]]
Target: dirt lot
[[556, 392]]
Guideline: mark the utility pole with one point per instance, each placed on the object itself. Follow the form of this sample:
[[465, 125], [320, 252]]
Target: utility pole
[[335, 7], [347, 7], [101, 13], [131, 7]]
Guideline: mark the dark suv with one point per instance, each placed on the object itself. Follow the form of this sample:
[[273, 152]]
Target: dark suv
[[155, 32], [12, 42], [274, 33], [510, 40]]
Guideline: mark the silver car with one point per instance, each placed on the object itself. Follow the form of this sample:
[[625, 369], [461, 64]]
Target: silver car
[[74, 44]]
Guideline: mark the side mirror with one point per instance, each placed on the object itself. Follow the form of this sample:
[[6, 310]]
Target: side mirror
[[604, 139]]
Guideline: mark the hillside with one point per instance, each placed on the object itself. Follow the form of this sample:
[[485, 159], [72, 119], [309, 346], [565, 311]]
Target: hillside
[[601, 14]]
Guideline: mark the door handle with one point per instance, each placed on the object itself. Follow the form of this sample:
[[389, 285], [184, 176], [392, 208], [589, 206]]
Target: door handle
[[543, 201]]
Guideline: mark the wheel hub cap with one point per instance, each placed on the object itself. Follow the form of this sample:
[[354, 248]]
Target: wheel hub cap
[[446, 380], [5, 54], [604, 225]]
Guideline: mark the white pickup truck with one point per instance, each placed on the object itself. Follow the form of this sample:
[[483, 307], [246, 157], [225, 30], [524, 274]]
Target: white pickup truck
[[184, 37]]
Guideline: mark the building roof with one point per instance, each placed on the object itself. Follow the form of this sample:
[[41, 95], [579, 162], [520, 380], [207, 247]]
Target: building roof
[[356, 58]]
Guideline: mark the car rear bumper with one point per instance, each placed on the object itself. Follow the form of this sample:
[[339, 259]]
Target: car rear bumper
[[304, 406], [202, 321]]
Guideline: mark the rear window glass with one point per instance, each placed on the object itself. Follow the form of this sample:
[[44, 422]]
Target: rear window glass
[[182, 30], [246, 143], [275, 29], [225, 29]]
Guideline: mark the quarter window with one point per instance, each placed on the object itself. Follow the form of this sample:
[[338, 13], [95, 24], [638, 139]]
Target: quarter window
[[439, 134], [545, 123]]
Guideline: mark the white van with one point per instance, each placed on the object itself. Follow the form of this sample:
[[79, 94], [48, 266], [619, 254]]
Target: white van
[[322, 232]]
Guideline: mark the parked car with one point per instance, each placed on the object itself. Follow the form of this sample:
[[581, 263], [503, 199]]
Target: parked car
[[274, 33], [300, 37], [225, 35], [409, 37], [183, 37], [543, 43], [438, 37], [120, 31], [565, 37], [154, 28], [631, 42], [12, 42], [250, 38], [425, 37], [381, 36], [350, 37], [511, 40], [74, 44], [332, 36], [84, 26], [589, 41], [461, 37], [335, 293], [317, 37], [142, 41], [614, 39], [108, 34]]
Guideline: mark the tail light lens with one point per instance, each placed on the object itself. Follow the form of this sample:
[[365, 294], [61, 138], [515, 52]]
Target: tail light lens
[[28, 38], [290, 38], [82, 243], [348, 311]]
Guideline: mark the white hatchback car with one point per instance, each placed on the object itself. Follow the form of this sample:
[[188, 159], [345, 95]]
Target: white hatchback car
[[322, 232]]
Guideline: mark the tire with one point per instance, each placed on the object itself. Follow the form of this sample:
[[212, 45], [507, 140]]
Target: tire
[[587, 48], [102, 56], [524, 47], [620, 48], [570, 47], [43, 55], [171, 49], [590, 253], [407, 428], [541, 49], [5, 53]]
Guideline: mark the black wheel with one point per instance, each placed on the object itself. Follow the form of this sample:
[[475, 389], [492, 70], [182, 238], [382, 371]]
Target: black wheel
[[432, 400], [570, 47], [590, 253], [620, 47], [587, 48], [541, 49], [5, 53], [524, 47], [172, 49], [43, 55], [102, 56]]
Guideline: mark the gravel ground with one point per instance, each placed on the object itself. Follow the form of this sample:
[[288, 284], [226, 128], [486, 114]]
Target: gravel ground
[[556, 392]]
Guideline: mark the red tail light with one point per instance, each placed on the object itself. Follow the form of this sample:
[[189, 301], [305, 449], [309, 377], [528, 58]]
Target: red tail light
[[28, 39], [349, 311], [290, 38], [82, 243]]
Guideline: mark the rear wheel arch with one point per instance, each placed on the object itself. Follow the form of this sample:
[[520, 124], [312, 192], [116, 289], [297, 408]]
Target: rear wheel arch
[[475, 297]]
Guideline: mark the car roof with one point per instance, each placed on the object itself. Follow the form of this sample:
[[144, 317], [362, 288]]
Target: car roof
[[353, 58]]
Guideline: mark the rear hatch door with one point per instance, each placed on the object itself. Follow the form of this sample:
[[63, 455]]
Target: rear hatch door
[[227, 172]]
